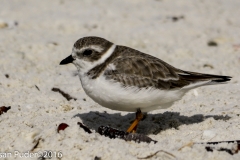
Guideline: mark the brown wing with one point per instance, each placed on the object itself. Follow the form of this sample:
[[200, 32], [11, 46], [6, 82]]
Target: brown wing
[[132, 67]]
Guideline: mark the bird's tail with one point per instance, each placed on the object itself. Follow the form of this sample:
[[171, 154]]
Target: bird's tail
[[203, 79]]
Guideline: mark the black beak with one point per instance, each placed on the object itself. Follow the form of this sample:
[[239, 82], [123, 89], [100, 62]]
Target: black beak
[[67, 60]]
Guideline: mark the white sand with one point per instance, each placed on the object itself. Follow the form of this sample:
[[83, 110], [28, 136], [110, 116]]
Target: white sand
[[31, 52]]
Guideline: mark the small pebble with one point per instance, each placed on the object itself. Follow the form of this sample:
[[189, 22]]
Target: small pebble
[[3, 25], [212, 44], [175, 18], [97, 158], [7, 75]]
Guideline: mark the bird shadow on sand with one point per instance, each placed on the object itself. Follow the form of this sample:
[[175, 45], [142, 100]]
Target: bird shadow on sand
[[152, 124]]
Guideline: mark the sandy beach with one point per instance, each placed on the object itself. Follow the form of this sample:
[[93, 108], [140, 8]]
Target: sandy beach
[[201, 36]]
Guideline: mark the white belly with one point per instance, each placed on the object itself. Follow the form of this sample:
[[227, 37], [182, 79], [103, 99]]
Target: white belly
[[112, 95]]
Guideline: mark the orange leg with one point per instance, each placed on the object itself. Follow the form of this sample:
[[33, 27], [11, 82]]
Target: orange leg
[[133, 127]]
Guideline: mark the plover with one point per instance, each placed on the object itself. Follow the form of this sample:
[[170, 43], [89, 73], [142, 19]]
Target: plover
[[125, 79]]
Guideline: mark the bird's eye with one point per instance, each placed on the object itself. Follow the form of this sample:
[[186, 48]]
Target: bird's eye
[[87, 52]]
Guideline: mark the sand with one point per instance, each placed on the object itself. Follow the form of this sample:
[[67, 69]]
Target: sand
[[35, 36]]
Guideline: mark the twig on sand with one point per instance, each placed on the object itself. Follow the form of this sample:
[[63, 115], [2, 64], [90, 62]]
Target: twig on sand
[[35, 146], [211, 146], [85, 128], [151, 155], [190, 144], [115, 133], [65, 95]]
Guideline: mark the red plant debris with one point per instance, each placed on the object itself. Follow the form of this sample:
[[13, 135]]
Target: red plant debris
[[4, 109], [62, 126]]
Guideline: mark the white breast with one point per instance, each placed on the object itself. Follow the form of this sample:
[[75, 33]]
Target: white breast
[[112, 95]]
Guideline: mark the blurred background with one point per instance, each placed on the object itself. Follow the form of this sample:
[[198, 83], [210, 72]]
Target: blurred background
[[193, 32]]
